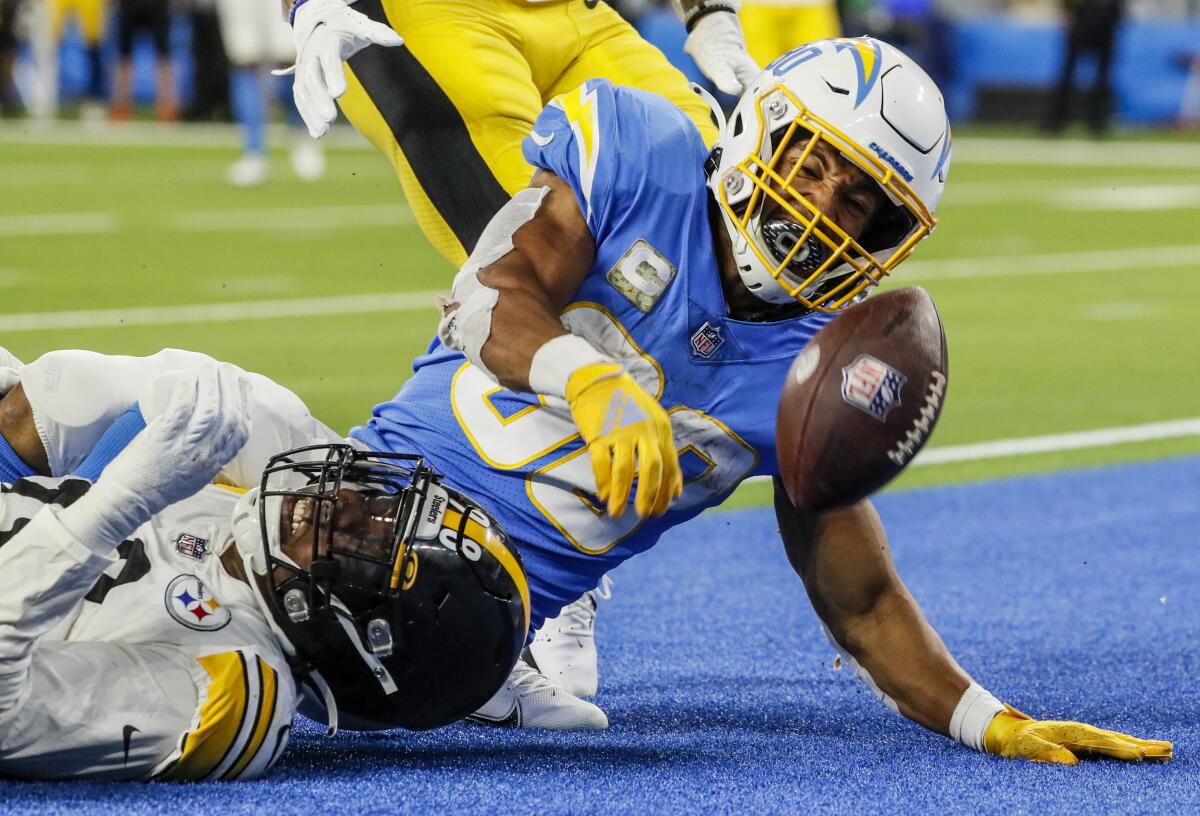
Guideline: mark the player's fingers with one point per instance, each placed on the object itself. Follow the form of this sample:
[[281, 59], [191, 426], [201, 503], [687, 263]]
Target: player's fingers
[[1032, 747], [379, 34], [204, 420], [316, 128], [650, 484], [601, 457], [335, 73], [180, 406], [318, 93], [722, 76], [668, 484], [622, 478], [1116, 745], [745, 69]]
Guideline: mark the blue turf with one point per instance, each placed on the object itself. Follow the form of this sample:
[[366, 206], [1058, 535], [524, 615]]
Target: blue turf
[[1070, 596]]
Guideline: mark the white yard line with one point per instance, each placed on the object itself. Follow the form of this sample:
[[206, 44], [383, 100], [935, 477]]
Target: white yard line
[[967, 149], [87, 223], [1148, 259], [273, 219], [291, 218], [149, 134], [1052, 443], [223, 312], [1076, 152]]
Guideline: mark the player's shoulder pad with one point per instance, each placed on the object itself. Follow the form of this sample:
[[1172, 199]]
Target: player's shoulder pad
[[621, 149]]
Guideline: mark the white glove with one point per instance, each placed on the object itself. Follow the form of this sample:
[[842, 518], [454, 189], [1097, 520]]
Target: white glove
[[718, 46], [327, 33], [203, 426]]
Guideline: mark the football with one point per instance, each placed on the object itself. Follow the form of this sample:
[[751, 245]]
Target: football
[[861, 399]]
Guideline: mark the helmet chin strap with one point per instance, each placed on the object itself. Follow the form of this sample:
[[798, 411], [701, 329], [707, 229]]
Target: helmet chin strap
[[247, 537], [714, 107]]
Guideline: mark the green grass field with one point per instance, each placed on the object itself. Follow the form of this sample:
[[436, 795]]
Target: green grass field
[[1067, 274]]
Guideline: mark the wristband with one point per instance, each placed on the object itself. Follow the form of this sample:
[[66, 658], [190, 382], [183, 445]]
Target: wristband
[[557, 360], [103, 517], [705, 8], [115, 439], [292, 13], [974, 713], [12, 466]]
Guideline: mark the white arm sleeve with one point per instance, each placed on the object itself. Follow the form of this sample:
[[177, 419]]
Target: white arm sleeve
[[44, 573], [75, 395]]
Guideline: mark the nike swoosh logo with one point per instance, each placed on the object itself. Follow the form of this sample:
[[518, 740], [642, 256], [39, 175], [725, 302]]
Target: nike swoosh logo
[[541, 140], [511, 720], [127, 736]]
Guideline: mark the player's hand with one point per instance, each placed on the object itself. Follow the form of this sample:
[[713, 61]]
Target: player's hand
[[1017, 736], [718, 46], [622, 424], [327, 33], [183, 447]]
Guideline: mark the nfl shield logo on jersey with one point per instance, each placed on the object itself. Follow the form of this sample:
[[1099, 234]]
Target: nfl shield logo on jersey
[[192, 546], [872, 386], [189, 602], [707, 340]]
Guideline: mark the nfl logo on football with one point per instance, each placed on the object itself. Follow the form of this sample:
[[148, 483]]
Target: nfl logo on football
[[707, 340], [872, 386]]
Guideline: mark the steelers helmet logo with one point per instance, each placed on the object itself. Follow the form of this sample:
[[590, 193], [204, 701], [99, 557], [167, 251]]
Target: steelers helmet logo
[[189, 601], [410, 572]]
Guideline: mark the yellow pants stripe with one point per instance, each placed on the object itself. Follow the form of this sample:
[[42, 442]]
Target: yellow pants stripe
[[264, 715], [207, 746]]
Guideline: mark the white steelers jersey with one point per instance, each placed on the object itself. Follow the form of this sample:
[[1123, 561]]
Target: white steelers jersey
[[151, 662]]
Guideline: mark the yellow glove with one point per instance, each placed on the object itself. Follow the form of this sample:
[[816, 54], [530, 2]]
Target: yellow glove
[[620, 422], [1016, 735]]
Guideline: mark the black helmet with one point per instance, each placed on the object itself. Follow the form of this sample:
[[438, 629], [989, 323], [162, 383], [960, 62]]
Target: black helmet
[[414, 607]]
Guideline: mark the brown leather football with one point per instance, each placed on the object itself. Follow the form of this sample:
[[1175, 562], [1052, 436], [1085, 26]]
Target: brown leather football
[[861, 399]]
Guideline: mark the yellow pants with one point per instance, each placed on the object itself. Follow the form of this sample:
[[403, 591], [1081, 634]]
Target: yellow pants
[[451, 108], [90, 13], [774, 28]]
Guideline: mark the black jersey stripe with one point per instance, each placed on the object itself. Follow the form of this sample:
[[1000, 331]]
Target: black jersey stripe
[[431, 134], [64, 493]]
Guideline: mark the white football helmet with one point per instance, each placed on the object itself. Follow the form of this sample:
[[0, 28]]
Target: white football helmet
[[884, 114]]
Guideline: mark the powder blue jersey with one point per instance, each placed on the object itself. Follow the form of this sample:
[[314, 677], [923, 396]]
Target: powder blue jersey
[[652, 299]]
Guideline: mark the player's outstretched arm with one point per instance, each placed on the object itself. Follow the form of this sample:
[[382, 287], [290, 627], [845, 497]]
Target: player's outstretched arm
[[503, 315], [843, 558], [327, 33]]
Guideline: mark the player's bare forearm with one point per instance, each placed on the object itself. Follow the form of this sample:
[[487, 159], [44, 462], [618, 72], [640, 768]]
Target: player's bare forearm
[[551, 256], [18, 429], [843, 558]]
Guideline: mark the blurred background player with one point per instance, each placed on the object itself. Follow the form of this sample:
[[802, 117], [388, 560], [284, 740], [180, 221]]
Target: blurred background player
[[255, 39], [91, 15], [151, 18], [775, 26], [9, 45], [210, 92], [1091, 30]]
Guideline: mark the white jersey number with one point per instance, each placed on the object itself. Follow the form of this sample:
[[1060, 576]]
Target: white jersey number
[[565, 489]]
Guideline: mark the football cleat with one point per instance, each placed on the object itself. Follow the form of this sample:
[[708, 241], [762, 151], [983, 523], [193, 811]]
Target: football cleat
[[528, 699], [307, 158], [250, 170], [565, 647]]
